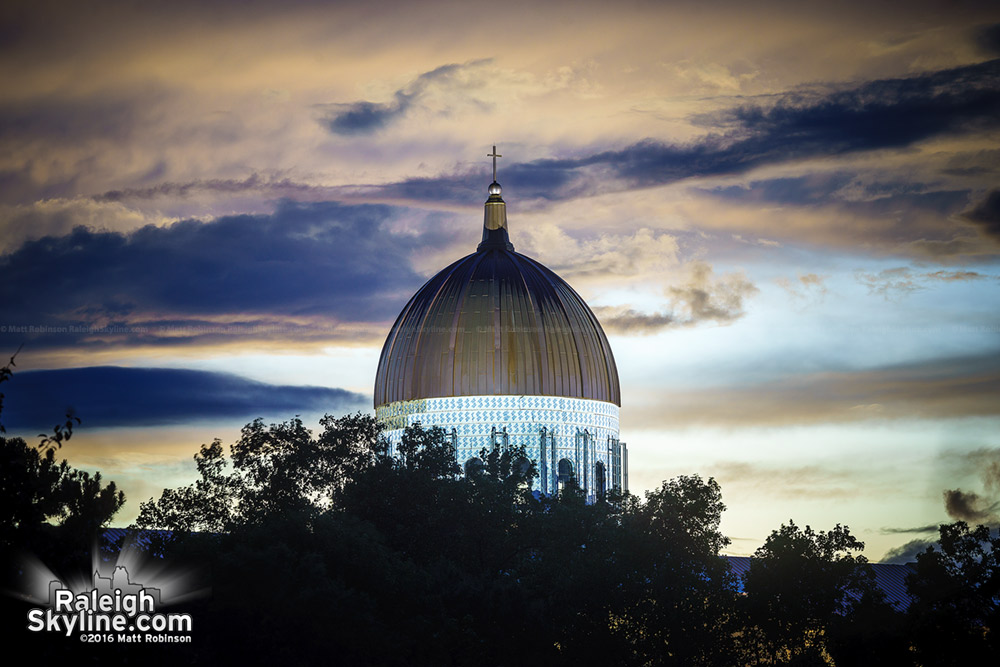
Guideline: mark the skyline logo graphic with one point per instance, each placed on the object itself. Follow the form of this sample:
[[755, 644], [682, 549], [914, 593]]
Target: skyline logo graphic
[[113, 610]]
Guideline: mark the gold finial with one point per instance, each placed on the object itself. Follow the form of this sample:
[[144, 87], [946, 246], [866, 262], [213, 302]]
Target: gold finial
[[495, 218], [494, 155]]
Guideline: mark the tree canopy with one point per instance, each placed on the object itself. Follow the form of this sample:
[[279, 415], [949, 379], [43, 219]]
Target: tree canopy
[[403, 560], [41, 493], [322, 547]]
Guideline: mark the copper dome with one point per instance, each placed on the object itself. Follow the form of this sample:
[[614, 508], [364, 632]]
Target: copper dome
[[496, 323]]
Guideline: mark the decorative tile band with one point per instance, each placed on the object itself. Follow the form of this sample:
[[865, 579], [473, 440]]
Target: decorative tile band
[[582, 431], [520, 414]]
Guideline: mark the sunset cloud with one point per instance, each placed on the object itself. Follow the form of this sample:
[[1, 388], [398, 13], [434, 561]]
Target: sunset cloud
[[108, 396], [804, 285], [971, 507], [701, 298], [897, 282], [366, 117], [306, 263], [986, 214], [942, 388]]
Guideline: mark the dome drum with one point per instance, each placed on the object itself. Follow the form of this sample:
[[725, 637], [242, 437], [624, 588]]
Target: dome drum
[[580, 433]]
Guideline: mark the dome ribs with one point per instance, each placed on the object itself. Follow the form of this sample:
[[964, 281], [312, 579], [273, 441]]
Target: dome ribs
[[496, 323]]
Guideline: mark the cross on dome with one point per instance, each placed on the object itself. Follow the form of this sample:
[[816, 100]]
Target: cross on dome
[[494, 155]]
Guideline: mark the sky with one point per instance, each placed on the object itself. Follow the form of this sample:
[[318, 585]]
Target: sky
[[785, 215]]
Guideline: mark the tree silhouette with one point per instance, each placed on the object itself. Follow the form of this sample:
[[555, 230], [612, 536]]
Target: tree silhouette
[[49, 512], [39, 493], [324, 545], [955, 614], [799, 581]]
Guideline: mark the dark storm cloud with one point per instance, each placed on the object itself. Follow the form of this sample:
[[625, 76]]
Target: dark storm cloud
[[105, 396], [903, 531], [305, 262], [974, 507], [849, 191], [528, 179], [873, 209], [988, 39], [986, 214], [255, 183], [365, 117], [907, 553], [804, 190], [888, 113], [971, 507], [457, 188], [531, 180], [991, 474]]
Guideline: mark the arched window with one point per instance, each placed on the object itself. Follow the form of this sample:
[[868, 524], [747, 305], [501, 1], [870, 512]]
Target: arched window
[[600, 485], [521, 466], [474, 466], [565, 470]]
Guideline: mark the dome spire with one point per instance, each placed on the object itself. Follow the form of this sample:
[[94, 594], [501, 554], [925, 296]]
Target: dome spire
[[495, 215]]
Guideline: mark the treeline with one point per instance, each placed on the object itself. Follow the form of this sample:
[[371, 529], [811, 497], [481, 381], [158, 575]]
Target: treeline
[[325, 548], [322, 549]]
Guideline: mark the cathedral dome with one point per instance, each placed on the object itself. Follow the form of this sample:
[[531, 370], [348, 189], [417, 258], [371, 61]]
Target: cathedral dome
[[500, 353], [496, 323]]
